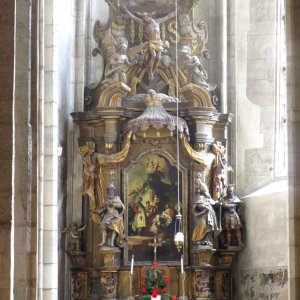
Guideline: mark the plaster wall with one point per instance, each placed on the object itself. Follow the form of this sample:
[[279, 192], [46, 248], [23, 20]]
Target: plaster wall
[[266, 249]]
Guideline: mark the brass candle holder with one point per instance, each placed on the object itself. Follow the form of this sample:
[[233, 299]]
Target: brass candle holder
[[130, 297], [182, 279]]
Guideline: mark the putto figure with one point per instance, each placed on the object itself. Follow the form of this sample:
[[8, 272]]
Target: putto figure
[[74, 231], [117, 64], [231, 220], [154, 41], [112, 225], [192, 66]]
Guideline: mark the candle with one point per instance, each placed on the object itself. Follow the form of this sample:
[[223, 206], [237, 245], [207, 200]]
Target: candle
[[181, 260], [132, 261]]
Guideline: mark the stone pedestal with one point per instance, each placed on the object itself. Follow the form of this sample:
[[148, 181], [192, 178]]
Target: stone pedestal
[[203, 256], [226, 257], [77, 258], [80, 285], [203, 284], [108, 281], [223, 284], [109, 257]]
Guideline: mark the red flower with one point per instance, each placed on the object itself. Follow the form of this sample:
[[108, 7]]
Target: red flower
[[154, 295], [142, 282], [155, 264], [155, 290], [144, 290], [173, 297], [167, 281], [155, 280], [164, 290]]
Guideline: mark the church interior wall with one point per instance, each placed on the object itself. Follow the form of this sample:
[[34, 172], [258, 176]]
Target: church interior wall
[[252, 98]]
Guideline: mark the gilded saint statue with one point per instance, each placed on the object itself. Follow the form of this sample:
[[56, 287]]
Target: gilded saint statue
[[112, 225], [205, 220], [230, 218], [152, 33]]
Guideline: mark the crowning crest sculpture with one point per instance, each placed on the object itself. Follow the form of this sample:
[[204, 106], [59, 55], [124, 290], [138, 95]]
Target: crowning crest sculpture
[[155, 98]]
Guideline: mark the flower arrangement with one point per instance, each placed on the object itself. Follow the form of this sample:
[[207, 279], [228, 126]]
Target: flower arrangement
[[154, 284]]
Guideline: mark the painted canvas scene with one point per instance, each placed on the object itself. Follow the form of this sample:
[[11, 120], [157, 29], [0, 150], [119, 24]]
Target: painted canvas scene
[[152, 208]]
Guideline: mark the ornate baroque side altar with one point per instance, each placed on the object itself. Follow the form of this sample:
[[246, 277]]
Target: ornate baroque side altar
[[151, 141]]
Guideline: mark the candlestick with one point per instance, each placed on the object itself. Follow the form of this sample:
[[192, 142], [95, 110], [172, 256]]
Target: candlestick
[[130, 297], [183, 296], [181, 261], [132, 262]]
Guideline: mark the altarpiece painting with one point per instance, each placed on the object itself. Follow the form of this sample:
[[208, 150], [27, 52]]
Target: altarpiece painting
[[151, 196]]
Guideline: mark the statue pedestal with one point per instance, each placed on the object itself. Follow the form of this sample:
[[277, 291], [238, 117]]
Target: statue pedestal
[[109, 260], [109, 257], [202, 256], [77, 258], [109, 281], [226, 256], [80, 285], [203, 284]]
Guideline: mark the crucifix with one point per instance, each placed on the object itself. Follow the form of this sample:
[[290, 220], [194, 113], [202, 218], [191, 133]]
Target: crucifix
[[155, 245]]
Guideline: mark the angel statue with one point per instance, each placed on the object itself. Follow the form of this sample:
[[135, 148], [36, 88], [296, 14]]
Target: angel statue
[[218, 171], [116, 65], [74, 231], [154, 42], [92, 185], [192, 66], [89, 162], [112, 225]]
